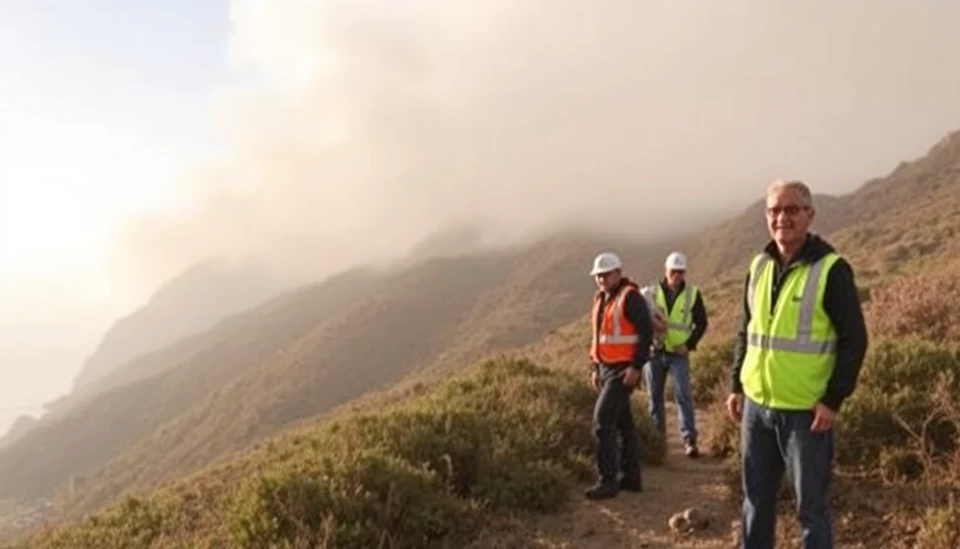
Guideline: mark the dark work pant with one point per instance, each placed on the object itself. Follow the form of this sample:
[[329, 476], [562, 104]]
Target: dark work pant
[[773, 441], [612, 416]]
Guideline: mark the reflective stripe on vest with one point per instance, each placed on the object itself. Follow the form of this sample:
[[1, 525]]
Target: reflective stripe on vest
[[802, 342], [617, 337]]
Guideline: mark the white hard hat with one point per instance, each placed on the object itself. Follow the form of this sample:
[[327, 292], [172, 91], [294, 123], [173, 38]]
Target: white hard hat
[[676, 262], [605, 262]]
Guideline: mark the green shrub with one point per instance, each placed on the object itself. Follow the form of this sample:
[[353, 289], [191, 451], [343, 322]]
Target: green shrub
[[356, 502], [453, 443], [132, 522], [893, 402], [917, 305], [940, 528], [900, 464], [710, 369], [508, 436]]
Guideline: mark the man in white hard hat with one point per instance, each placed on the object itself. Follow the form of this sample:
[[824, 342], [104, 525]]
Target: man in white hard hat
[[620, 345], [682, 304]]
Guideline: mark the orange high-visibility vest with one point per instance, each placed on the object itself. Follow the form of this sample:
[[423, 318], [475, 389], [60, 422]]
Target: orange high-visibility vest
[[617, 338]]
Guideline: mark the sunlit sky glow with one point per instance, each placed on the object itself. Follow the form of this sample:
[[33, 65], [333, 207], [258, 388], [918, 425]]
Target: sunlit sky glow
[[102, 104]]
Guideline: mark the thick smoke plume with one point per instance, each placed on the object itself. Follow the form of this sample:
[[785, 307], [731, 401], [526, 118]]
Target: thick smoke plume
[[354, 129]]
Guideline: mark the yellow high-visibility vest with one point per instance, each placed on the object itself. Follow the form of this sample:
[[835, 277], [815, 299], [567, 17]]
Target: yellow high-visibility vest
[[791, 344], [680, 319]]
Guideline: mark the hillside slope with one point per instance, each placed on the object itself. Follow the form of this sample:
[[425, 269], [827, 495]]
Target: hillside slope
[[506, 436], [299, 355], [210, 291], [95, 431], [448, 309], [21, 426]]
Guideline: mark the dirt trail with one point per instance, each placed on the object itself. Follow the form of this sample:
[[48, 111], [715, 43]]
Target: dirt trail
[[637, 521]]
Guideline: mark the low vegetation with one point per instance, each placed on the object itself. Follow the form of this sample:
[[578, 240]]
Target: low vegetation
[[508, 436]]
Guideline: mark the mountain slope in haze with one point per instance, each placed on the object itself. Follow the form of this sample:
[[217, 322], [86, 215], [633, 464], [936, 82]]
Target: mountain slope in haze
[[298, 355], [96, 430], [190, 303], [207, 292], [446, 307], [21, 426]]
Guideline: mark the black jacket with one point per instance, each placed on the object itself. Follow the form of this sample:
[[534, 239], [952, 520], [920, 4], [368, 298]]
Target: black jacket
[[636, 311], [698, 311], [842, 304]]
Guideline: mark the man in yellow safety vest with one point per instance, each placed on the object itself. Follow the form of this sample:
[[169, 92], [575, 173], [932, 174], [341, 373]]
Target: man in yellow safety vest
[[682, 305], [800, 345]]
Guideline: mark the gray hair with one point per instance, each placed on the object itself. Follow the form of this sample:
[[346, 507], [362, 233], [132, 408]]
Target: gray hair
[[795, 185]]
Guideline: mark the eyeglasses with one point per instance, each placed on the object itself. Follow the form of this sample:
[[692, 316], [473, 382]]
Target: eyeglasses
[[791, 210]]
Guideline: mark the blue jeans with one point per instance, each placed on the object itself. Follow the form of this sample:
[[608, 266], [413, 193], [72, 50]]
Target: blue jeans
[[773, 441], [612, 416], [655, 373]]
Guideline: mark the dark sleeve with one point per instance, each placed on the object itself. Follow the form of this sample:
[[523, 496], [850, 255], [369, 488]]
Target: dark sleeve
[[842, 304], [635, 308], [700, 322], [740, 345], [593, 321]]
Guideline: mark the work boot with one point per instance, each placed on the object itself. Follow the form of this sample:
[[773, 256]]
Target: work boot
[[690, 449], [602, 490], [631, 484]]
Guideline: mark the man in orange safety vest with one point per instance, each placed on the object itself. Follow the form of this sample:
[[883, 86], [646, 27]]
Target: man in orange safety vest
[[620, 346]]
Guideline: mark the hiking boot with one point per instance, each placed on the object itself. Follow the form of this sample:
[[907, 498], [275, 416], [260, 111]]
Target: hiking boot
[[602, 490], [631, 485], [690, 449]]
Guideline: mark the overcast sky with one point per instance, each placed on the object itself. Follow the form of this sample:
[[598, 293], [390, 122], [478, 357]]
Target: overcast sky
[[137, 137]]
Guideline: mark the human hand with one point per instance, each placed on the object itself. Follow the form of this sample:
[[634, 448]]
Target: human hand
[[595, 380], [735, 407], [681, 350], [823, 418], [631, 376]]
